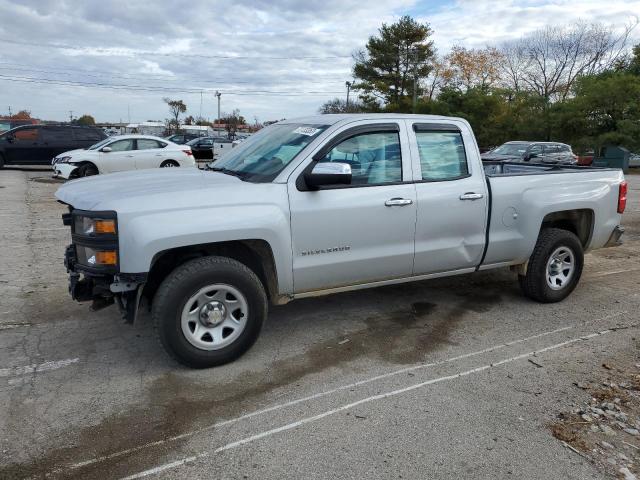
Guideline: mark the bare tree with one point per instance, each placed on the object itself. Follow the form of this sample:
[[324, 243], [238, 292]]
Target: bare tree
[[550, 60], [439, 76], [514, 64]]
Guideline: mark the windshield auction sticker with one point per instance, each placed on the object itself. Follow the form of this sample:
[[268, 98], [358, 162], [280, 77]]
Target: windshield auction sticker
[[308, 131]]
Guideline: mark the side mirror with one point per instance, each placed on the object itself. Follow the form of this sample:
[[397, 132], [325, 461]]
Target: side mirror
[[105, 149], [328, 173]]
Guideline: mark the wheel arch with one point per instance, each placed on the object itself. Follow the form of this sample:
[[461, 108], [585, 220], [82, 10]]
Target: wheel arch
[[577, 221], [81, 164], [256, 254]]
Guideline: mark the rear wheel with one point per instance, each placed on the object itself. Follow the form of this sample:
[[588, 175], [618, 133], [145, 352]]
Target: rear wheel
[[209, 311], [555, 266], [169, 164], [87, 170]]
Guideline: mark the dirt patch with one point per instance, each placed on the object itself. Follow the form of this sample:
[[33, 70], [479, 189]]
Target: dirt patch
[[175, 404], [606, 428], [46, 180]]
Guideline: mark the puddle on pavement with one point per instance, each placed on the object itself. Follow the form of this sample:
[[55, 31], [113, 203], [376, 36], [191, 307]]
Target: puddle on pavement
[[176, 404]]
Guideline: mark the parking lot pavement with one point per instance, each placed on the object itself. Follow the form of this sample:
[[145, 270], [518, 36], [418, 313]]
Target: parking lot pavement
[[451, 378]]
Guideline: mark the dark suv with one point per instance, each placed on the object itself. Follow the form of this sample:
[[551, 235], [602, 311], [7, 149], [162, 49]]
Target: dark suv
[[535, 152], [38, 144]]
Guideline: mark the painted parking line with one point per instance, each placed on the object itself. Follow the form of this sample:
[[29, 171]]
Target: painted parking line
[[37, 367], [320, 395], [374, 398]]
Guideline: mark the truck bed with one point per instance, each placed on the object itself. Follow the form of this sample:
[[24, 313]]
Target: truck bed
[[505, 169], [523, 196]]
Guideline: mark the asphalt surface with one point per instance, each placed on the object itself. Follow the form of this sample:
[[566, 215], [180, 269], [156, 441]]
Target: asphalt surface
[[450, 378]]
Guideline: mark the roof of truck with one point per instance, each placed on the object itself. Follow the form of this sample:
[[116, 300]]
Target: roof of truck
[[332, 118]]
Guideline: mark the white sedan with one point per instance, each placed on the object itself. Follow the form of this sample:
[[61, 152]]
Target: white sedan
[[122, 152]]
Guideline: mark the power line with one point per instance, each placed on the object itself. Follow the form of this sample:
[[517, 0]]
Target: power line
[[155, 89], [129, 52], [99, 74]]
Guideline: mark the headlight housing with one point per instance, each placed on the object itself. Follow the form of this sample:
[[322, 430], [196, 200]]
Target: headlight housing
[[93, 226], [95, 239], [61, 159]]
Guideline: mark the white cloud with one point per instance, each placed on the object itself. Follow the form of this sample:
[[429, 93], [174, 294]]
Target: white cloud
[[112, 41]]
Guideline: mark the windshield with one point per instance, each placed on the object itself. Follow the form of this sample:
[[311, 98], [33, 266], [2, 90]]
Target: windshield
[[95, 146], [511, 149], [264, 155]]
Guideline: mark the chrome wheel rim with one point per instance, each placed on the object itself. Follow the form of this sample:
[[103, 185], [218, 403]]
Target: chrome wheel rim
[[214, 316], [560, 268], [169, 165]]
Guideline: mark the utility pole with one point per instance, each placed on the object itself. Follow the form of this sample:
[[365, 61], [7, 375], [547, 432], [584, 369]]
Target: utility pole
[[415, 80], [10, 111], [200, 115], [348, 84], [218, 94], [70, 116]]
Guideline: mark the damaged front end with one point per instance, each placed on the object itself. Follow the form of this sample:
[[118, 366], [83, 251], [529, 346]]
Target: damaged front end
[[92, 261]]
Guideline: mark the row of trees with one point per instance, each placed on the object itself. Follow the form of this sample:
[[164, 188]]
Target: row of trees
[[177, 108], [578, 84]]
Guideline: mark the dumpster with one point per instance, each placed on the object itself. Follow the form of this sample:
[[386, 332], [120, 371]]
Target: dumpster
[[613, 157]]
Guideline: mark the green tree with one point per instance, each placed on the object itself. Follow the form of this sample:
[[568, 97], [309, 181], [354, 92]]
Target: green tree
[[400, 54], [338, 105], [85, 120], [610, 103], [634, 63]]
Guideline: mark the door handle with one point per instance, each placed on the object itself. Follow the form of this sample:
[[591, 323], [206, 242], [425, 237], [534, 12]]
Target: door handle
[[471, 196], [398, 202]]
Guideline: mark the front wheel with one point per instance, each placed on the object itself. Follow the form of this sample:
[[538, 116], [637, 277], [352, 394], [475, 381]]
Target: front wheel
[[169, 164], [555, 266], [87, 170], [209, 311]]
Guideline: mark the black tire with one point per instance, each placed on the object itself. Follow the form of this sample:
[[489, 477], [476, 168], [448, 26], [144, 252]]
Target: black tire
[[534, 284], [181, 284], [87, 170], [169, 164]]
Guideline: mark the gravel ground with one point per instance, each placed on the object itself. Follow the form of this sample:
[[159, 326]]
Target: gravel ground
[[451, 378]]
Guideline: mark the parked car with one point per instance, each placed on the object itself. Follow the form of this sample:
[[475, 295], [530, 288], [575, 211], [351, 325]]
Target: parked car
[[122, 152], [537, 152], [326, 204], [182, 138], [202, 148], [38, 144], [634, 160]]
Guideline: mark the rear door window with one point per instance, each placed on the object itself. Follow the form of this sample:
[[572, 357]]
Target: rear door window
[[87, 135], [442, 155], [148, 144], [56, 135]]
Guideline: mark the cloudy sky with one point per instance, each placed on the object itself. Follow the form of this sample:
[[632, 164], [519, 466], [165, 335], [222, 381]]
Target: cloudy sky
[[117, 59]]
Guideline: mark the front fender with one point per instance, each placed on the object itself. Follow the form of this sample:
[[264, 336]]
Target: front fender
[[144, 236]]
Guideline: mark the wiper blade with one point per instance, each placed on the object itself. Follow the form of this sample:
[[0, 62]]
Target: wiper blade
[[240, 175]]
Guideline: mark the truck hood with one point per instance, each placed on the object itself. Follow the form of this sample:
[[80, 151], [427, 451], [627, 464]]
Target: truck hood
[[142, 189]]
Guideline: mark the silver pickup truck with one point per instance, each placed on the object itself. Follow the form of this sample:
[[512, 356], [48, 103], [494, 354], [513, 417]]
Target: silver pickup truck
[[320, 205]]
